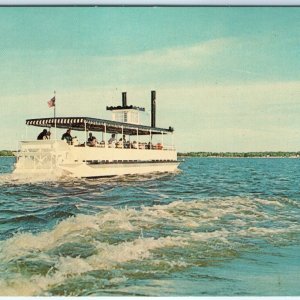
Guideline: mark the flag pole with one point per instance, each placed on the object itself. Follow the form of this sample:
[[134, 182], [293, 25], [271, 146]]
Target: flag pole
[[55, 112]]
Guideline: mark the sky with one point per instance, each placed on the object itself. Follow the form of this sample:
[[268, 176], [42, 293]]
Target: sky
[[227, 78]]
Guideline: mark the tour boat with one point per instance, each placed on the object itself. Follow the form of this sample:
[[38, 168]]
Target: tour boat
[[124, 146]]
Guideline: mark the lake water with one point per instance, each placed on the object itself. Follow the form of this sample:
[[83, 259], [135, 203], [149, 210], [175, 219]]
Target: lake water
[[219, 227]]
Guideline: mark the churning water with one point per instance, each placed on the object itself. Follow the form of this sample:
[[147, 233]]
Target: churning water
[[218, 227]]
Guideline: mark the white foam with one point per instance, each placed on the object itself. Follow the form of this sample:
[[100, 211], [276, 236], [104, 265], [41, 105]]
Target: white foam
[[269, 202], [261, 231], [107, 257], [13, 178], [178, 219], [204, 236]]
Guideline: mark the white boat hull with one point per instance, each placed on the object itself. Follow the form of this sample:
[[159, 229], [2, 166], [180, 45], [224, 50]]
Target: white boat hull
[[117, 169], [59, 159]]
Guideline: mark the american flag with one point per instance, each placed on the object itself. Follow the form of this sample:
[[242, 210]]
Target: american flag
[[51, 102]]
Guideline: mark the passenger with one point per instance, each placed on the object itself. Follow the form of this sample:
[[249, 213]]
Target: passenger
[[119, 144], [42, 135], [127, 145], [134, 145], [67, 136], [92, 141], [91, 137], [75, 141], [48, 136], [112, 139]]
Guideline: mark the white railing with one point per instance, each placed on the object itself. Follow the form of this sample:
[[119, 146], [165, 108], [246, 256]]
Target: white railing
[[140, 146], [41, 154]]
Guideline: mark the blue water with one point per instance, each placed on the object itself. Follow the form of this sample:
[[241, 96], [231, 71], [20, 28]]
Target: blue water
[[219, 227]]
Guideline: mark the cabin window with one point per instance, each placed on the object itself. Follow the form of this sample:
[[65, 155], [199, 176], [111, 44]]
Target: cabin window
[[126, 116]]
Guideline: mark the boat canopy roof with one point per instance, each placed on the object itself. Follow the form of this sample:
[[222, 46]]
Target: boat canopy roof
[[92, 124]]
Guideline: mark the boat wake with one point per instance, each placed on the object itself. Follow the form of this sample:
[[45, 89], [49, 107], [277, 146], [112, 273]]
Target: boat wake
[[95, 254], [12, 178]]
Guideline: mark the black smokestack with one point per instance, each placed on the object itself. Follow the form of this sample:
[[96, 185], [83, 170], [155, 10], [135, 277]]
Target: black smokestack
[[153, 109], [124, 99]]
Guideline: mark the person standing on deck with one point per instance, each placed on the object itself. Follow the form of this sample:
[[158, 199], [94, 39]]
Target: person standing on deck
[[42, 135], [67, 136]]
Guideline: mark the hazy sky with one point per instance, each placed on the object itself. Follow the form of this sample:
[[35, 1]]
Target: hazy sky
[[227, 79]]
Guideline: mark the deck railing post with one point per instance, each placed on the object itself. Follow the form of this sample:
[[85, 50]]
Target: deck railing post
[[105, 140], [137, 138]]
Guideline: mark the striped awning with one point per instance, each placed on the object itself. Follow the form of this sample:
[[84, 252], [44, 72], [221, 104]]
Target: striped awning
[[93, 124]]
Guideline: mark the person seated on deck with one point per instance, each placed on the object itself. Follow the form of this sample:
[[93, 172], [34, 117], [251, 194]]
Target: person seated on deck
[[47, 136], [75, 141], [159, 146], [42, 135], [134, 145], [92, 141], [112, 141], [127, 144], [67, 136], [142, 145], [119, 144]]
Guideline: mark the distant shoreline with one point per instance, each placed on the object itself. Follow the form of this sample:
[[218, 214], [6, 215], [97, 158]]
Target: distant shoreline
[[7, 153], [267, 154], [222, 157]]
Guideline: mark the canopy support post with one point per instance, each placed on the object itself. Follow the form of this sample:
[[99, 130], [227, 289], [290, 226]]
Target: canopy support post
[[55, 115], [85, 133], [172, 140], [122, 137]]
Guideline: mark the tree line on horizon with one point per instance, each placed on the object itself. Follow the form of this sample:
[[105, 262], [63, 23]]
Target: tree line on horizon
[[6, 153], [241, 154], [215, 154]]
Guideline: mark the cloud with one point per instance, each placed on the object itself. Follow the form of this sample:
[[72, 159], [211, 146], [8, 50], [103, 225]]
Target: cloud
[[210, 117], [176, 57]]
